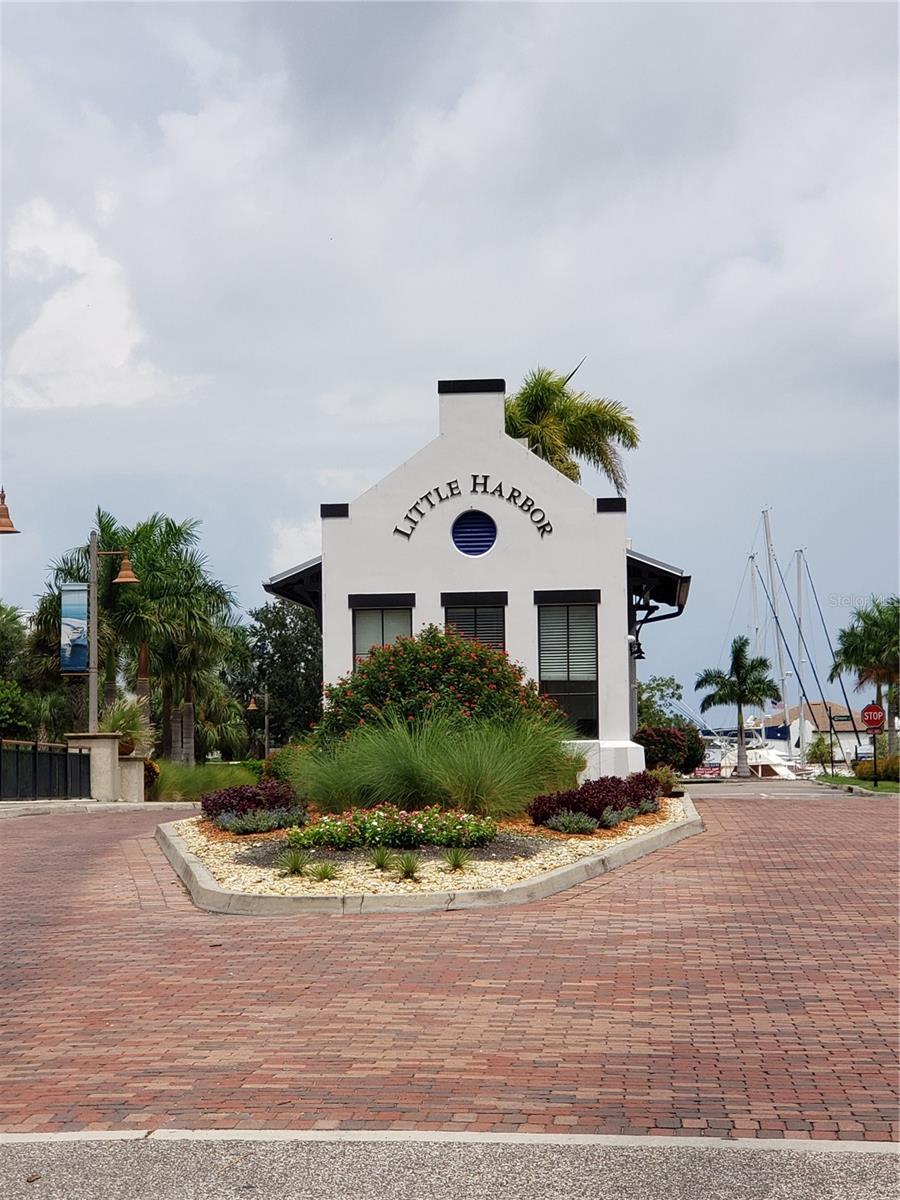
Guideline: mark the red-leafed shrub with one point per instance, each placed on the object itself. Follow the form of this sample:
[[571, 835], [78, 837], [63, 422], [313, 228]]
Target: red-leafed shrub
[[663, 744], [597, 796], [432, 674], [249, 797]]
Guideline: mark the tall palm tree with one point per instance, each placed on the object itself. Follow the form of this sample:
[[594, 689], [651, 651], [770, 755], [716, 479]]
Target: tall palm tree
[[746, 682], [869, 648], [563, 425]]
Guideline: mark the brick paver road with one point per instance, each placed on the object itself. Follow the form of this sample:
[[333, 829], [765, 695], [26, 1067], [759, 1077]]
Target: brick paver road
[[742, 984]]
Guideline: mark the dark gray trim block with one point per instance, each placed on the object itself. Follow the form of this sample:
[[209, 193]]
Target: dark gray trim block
[[570, 596], [611, 504], [334, 510], [382, 600], [463, 599], [469, 387]]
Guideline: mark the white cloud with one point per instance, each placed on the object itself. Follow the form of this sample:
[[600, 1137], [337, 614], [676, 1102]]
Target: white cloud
[[294, 543], [83, 348]]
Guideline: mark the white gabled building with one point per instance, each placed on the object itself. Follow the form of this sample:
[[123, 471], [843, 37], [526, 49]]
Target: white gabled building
[[477, 532]]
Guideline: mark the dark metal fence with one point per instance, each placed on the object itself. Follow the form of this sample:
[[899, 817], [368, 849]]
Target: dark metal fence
[[43, 771]]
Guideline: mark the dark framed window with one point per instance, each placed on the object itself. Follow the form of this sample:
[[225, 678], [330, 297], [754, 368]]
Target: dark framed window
[[378, 627], [481, 623], [567, 654]]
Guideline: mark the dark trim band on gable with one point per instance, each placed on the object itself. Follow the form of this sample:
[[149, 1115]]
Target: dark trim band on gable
[[334, 510], [611, 504], [463, 387], [382, 600], [572, 596], [474, 599]]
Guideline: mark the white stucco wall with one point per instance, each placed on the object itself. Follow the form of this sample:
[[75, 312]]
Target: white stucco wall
[[363, 553]]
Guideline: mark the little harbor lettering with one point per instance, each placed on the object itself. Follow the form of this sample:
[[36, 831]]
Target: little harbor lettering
[[482, 485]]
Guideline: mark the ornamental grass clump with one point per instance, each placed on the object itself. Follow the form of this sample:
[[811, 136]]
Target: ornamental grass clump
[[408, 865], [293, 861], [324, 871], [390, 827], [491, 767], [456, 859]]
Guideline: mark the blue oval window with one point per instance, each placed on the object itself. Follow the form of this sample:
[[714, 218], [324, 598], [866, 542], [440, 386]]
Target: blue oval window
[[474, 533]]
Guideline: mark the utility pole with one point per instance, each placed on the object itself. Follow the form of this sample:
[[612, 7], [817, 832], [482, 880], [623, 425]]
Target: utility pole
[[773, 592], [93, 707]]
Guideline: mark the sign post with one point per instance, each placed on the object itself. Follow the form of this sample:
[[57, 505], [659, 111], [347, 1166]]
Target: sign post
[[873, 719]]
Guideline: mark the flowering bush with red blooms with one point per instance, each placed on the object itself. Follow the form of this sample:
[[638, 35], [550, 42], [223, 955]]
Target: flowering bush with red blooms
[[595, 796], [435, 673], [663, 745], [249, 797]]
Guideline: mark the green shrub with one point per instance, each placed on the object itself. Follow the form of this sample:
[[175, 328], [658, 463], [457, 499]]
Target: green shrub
[[456, 858], [664, 745], [260, 820], [566, 821], [666, 778], [324, 870], [381, 858], [293, 861], [610, 818], [254, 766], [408, 865], [491, 766], [398, 830], [888, 768], [177, 781], [434, 673]]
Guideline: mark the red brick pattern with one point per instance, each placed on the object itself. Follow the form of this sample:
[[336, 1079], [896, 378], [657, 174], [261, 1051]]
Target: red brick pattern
[[743, 983]]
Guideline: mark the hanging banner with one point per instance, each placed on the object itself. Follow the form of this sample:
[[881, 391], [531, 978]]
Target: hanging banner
[[73, 634]]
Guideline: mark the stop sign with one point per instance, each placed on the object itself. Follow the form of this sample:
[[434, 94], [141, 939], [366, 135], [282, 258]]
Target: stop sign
[[873, 716]]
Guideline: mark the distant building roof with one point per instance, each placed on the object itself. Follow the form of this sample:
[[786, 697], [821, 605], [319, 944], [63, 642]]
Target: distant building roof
[[817, 714]]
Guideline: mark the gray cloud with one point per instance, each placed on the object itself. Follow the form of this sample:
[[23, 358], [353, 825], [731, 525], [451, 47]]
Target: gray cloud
[[299, 216]]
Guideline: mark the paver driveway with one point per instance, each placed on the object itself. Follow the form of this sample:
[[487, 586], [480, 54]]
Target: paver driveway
[[741, 983]]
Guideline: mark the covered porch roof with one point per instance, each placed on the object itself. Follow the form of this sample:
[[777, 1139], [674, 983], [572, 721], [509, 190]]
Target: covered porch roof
[[651, 585]]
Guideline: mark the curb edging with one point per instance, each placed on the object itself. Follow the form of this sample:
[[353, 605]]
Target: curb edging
[[208, 894]]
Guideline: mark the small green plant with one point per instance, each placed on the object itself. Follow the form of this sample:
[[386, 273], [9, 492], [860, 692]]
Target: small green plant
[[381, 858], [567, 821], [666, 778], [628, 813], [261, 820], [648, 806], [130, 720], [610, 817], [293, 861], [324, 871], [408, 865], [456, 858]]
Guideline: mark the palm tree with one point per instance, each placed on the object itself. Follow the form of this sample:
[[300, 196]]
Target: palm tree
[[869, 648], [746, 683], [563, 425]]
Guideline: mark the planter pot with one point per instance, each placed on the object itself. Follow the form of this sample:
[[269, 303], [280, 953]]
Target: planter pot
[[126, 747]]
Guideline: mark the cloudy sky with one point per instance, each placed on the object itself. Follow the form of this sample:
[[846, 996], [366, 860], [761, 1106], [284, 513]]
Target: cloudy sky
[[243, 241]]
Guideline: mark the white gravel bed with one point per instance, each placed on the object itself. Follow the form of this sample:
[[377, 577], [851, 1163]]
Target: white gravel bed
[[247, 866]]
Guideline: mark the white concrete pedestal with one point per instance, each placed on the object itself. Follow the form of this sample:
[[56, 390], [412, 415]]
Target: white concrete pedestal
[[104, 748], [131, 780], [609, 758]]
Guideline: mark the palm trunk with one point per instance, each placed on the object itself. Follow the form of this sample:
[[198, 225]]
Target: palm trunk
[[109, 687], [176, 736], [743, 768], [142, 686], [187, 727], [167, 720], [892, 719]]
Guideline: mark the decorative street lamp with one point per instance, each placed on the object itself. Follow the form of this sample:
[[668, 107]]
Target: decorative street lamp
[[254, 707], [6, 525], [125, 575]]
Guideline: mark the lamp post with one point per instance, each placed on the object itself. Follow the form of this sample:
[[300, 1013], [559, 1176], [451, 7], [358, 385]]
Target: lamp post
[[254, 707], [6, 525], [125, 575]]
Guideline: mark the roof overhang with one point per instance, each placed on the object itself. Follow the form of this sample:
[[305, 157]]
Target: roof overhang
[[302, 585]]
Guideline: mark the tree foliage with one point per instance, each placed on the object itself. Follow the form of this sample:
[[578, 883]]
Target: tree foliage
[[284, 645], [746, 682], [656, 699], [563, 426]]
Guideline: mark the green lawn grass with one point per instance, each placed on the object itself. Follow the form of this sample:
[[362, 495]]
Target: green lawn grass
[[884, 785]]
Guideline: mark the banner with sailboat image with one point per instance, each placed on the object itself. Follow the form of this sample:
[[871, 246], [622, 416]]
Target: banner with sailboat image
[[73, 637]]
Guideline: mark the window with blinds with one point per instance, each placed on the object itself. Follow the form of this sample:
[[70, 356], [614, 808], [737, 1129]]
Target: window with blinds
[[481, 624], [378, 627], [567, 652]]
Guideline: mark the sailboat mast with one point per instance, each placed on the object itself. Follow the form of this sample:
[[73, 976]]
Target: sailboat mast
[[798, 554], [773, 593]]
